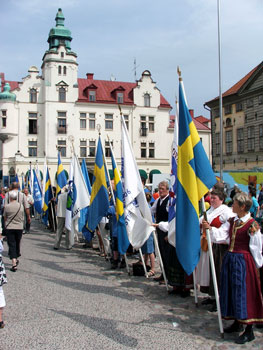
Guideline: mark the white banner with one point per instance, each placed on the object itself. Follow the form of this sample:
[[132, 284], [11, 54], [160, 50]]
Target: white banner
[[78, 195], [137, 213]]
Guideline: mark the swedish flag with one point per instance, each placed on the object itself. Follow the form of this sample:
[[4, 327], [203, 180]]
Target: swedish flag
[[194, 179], [48, 195], [123, 242], [99, 200], [61, 177]]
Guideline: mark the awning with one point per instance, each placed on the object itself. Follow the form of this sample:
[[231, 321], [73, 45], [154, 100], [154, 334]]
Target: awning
[[41, 174], [152, 172], [143, 174]]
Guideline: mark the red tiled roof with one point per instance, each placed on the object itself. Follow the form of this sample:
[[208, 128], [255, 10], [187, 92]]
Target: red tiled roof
[[198, 125], [202, 119], [106, 89], [235, 88], [13, 84]]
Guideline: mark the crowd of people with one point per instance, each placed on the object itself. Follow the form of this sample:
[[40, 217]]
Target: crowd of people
[[234, 229]]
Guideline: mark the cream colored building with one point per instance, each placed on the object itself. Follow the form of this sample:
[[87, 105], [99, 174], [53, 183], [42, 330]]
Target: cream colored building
[[54, 109]]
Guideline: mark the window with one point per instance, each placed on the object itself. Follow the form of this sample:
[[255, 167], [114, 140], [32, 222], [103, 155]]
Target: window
[[251, 138], [92, 96], [92, 148], [62, 122], [83, 121], [59, 70], [32, 123], [228, 109], [215, 112], [109, 121], [107, 148], [261, 136], [92, 121], [62, 94], [64, 70], [126, 118], [151, 149], [228, 122], [240, 140], [239, 107], [217, 143], [62, 147], [83, 149], [151, 124], [4, 119], [119, 97], [143, 125], [250, 103], [143, 149], [260, 99], [32, 148], [33, 96], [147, 100], [62, 54], [228, 142]]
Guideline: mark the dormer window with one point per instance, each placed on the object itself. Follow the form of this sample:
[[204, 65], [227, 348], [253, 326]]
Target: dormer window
[[92, 96], [120, 97], [147, 100], [62, 54], [33, 96]]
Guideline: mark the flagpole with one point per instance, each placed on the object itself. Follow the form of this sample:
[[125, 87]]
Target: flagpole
[[125, 255], [160, 259], [220, 90], [212, 264]]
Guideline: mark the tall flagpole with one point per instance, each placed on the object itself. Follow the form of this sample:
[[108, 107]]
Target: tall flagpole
[[220, 91]]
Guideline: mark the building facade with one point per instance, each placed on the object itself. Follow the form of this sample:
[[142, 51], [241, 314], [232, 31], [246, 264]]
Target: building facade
[[54, 109], [242, 124]]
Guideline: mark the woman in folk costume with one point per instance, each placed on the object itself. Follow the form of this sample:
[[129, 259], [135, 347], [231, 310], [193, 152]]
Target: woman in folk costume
[[218, 225], [240, 294]]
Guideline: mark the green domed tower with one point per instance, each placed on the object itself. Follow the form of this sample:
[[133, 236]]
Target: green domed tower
[[59, 35], [6, 95]]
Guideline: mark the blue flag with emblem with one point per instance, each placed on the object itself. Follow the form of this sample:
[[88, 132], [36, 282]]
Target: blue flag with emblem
[[37, 194], [99, 200], [123, 241], [61, 177], [194, 179], [48, 195]]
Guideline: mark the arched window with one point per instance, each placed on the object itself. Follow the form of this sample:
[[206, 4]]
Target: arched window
[[62, 94], [147, 100], [59, 70], [228, 122], [65, 70], [33, 96]]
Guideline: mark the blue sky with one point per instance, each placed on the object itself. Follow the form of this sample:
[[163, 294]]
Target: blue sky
[[109, 34]]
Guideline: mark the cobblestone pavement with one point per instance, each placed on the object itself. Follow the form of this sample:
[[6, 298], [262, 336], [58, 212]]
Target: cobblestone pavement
[[72, 300]]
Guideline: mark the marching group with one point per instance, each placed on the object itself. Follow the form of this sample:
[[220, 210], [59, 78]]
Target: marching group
[[234, 230]]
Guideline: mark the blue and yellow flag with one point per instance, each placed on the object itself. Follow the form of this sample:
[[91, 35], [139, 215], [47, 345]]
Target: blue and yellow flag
[[61, 177], [123, 242], [194, 179], [99, 200], [48, 195]]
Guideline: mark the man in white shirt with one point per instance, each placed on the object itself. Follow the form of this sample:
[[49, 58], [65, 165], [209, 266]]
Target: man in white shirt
[[61, 216]]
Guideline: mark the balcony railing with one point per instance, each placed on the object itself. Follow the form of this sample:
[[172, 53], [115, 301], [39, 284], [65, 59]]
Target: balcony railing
[[62, 129]]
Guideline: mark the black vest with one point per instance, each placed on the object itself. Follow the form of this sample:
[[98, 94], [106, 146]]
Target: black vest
[[161, 212]]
